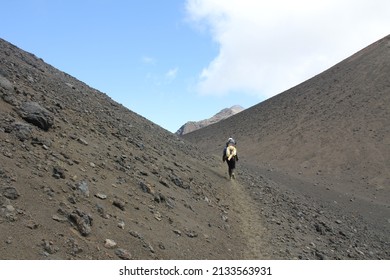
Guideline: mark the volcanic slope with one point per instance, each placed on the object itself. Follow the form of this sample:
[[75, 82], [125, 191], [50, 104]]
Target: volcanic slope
[[82, 177], [327, 139]]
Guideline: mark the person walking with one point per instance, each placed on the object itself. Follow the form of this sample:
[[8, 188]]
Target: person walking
[[230, 156]]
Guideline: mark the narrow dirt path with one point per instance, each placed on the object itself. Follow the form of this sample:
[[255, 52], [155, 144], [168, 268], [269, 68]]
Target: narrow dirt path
[[249, 215], [252, 228]]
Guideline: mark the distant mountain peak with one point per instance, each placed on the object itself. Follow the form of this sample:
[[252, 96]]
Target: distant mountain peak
[[221, 115], [237, 108]]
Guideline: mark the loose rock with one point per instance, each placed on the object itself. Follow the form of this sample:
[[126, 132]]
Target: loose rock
[[123, 254], [120, 204], [10, 193], [35, 114], [109, 244], [82, 221]]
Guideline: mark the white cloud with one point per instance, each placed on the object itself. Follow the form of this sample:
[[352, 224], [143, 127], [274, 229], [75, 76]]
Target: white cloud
[[148, 60], [266, 47], [171, 74]]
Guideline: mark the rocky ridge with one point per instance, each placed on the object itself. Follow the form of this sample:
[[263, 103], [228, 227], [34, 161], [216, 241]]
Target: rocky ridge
[[221, 115]]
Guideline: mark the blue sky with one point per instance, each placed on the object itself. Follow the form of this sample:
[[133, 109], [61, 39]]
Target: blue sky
[[174, 61]]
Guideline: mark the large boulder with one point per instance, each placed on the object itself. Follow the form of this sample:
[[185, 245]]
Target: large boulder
[[35, 114]]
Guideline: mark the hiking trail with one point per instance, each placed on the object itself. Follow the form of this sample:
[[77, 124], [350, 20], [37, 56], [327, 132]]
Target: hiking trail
[[252, 228]]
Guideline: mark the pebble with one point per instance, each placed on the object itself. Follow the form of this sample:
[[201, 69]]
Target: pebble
[[101, 196], [158, 216], [59, 219], [119, 204], [123, 254], [82, 141], [121, 224], [110, 244]]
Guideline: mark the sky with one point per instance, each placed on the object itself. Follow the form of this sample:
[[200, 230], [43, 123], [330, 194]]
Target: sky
[[176, 61]]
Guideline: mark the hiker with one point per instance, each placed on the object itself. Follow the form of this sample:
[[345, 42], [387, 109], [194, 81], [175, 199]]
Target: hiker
[[230, 156]]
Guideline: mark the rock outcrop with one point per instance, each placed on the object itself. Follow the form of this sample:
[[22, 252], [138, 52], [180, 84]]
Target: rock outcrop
[[195, 125]]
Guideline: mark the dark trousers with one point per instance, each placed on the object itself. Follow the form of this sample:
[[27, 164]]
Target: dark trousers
[[231, 165]]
